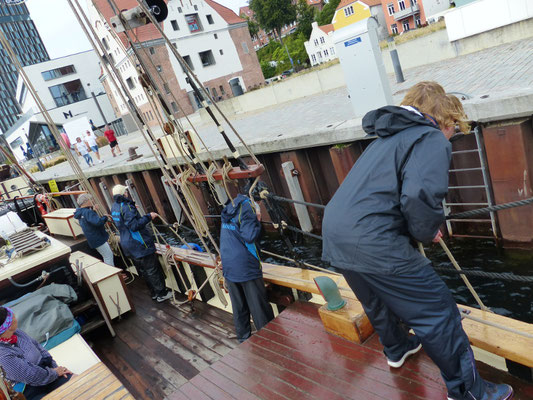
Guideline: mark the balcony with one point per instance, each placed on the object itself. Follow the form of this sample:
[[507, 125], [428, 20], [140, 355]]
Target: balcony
[[402, 14]]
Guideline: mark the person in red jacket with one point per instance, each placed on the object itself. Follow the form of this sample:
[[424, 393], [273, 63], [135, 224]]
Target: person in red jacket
[[110, 135]]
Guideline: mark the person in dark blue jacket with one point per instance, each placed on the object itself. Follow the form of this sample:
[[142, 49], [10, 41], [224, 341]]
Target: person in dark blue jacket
[[392, 195], [241, 266], [93, 227], [137, 241]]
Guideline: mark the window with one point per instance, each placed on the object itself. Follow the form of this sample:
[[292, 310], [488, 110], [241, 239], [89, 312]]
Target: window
[[326, 53], [23, 92], [221, 52], [189, 62], [159, 68], [319, 55], [313, 58], [332, 51], [348, 11], [405, 25], [206, 57], [111, 59], [195, 7], [166, 87], [245, 48], [68, 93], [210, 19], [174, 24], [58, 72], [216, 36], [214, 93], [413, 2], [179, 9], [130, 83], [390, 8], [222, 91], [104, 42], [152, 51], [401, 4], [417, 20], [394, 29], [316, 42], [174, 107], [194, 23], [322, 40]]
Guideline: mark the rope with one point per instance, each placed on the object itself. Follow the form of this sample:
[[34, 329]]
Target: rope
[[505, 276], [294, 229], [485, 210], [296, 262], [466, 314], [196, 212], [304, 203], [225, 178]]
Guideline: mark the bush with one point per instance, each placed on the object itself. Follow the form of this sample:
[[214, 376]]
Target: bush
[[268, 70], [102, 141]]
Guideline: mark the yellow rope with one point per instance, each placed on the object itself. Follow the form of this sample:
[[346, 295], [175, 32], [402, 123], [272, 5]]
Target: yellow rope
[[196, 211]]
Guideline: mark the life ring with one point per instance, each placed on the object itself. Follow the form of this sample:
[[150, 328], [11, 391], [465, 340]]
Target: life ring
[[42, 203]]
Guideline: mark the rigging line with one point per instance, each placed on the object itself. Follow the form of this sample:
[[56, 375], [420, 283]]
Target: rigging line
[[304, 203], [485, 210], [132, 108], [304, 263], [466, 314], [190, 74]]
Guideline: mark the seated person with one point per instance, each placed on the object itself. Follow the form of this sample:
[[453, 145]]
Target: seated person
[[24, 360]]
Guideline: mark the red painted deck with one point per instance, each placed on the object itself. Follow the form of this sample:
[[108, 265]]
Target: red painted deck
[[294, 358]]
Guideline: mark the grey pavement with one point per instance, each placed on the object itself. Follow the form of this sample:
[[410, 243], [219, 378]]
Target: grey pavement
[[508, 67]]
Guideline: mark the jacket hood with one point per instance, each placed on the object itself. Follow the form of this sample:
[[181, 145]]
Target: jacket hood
[[231, 210], [80, 211], [389, 120], [118, 198]]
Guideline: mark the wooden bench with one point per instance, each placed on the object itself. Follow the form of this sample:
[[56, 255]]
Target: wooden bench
[[508, 345]]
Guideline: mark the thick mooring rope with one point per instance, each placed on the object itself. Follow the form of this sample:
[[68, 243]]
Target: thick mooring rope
[[486, 210]]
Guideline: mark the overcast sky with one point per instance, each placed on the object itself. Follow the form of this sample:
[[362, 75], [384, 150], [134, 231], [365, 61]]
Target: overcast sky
[[60, 30]]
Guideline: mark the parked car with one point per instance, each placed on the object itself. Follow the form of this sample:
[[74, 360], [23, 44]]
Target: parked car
[[287, 73]]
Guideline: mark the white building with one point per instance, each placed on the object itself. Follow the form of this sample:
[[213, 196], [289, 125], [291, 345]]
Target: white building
[[69, 88], [320, 46]]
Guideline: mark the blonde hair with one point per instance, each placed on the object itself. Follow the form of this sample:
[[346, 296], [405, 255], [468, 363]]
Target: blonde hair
[[430, 99]]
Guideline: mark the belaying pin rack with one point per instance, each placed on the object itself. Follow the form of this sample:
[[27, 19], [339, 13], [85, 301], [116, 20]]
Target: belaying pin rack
[[253, 171]]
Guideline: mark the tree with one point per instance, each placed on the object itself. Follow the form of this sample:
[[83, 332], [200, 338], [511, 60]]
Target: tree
[[272, 15], [268, 70], [327, 13], [253, 26], [305, 17]]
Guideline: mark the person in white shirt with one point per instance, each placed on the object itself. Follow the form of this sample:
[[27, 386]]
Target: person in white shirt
[[82, 149], [91, 142]]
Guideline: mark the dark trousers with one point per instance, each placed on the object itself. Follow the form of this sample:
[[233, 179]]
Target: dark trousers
[[148, 267], [38, 392], [249, 297], [420, 300]]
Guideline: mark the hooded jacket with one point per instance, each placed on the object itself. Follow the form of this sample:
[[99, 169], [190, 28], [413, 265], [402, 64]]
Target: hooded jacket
[[239, 231], [92, 226], [135, 238], [393, 193]]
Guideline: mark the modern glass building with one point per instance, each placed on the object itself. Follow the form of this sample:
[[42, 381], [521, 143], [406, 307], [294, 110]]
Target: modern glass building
[[22, 34]]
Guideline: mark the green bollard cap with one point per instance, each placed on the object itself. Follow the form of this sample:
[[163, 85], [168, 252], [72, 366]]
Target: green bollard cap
[[329, 290]]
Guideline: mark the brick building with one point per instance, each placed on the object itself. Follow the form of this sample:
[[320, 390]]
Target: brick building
[[214, 41], [403, 15]]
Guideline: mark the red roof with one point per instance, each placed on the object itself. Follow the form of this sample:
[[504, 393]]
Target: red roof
[[327, 28], [246, 11], [228, 15], [311, 2], [369, 3]]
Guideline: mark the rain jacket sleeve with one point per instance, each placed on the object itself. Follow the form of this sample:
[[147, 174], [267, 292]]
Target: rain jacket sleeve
[[424, 185], [250, 227], [132, 220]]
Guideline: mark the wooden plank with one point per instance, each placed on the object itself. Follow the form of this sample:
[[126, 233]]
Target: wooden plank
[[235, 391], [192, 392], [253, 171]]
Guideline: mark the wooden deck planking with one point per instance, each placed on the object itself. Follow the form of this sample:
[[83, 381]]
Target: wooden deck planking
[[161, 347], [294, 358]]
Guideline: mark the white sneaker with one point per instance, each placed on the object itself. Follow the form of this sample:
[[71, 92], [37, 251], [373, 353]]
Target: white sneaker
[[399, 363]]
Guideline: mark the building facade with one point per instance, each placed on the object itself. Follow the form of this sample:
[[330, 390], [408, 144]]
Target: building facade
[[320, 47], [20, 31], [213, 40], [70, 89], [351, 11], [262, 38], [403, 15]]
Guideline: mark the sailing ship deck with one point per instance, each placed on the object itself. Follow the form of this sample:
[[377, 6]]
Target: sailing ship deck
[[162, 352]]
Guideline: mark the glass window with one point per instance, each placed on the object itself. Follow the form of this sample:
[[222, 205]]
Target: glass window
[[221, 52], [245, 48], [401, 4], [174, 24], [174, 107], [216, 36], [222, 91], [104, 42], [390, 8], [326, 53], [179, 9], [210, 19], [322, 40], [189, 62], [405, 25], [58, 72], [68, 93], [394, 29], [206, 57], [130, 83], [166, 87], [313, 58], [196, 7], [348, 11], [332, 51], [194, 23], [417, 20], [159, 68]]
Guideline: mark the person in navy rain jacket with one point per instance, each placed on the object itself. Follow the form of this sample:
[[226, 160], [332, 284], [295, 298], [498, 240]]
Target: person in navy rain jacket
[[137, 241], [241, 266], [394, 194], [93, 227]]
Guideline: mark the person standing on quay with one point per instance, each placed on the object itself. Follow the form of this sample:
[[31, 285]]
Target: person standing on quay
[[82, 148], [110, 135], [91, 142], [392, 195]]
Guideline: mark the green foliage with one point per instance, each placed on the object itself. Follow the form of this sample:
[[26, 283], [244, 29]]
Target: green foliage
[[305, 17], [327, 13], [253, 26], [274, 51], [268, 70], [273, 14]]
